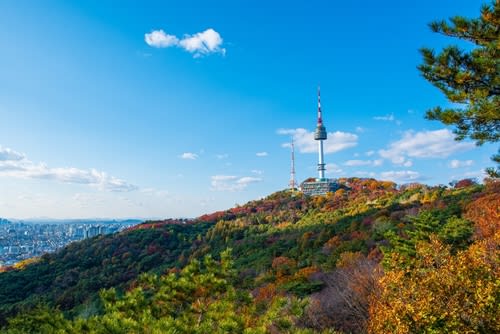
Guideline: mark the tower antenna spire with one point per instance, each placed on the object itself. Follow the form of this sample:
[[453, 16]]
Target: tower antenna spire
[[293, 183], [320, 118]]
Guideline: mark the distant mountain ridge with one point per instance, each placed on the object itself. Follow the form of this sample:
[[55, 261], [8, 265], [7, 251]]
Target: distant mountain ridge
[[76, 221]]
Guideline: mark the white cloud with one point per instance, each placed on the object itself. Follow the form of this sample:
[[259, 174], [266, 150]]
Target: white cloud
[[370, 153], [13, 164], [387, 118], [232, 183], [261, 154], [407, 163], [222, 156], [189, 156], [6, 154], [359, 129], [357, 163], [402, 176], [305, 143], [257, 171], [333, 169], [208, 41], [199, 44], [424, 144], [458, 163], [159, 39], [375, 163], [247, 180]]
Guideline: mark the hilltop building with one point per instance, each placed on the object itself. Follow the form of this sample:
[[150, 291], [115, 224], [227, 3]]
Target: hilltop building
[[321, 185]]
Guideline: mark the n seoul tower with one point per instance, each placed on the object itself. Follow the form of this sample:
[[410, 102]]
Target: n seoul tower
[[320, 135], [321, 185]]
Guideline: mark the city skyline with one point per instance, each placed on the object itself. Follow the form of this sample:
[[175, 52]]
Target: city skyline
[[179, 109]]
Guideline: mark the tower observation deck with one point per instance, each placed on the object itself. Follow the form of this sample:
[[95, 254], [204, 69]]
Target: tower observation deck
[[321, 185]]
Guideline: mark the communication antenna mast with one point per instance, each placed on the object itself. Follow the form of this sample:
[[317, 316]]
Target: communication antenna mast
[[292, 184]]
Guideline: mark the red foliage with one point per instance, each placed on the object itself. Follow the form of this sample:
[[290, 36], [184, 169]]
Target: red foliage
[[464, 183], [212, 217], [157, 224]]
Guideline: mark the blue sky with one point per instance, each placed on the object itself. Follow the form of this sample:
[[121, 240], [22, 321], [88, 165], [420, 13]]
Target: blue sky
[[177, 108]]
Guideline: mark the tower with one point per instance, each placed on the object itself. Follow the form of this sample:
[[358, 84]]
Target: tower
[[320, 135], [321, 185], [292, 184]]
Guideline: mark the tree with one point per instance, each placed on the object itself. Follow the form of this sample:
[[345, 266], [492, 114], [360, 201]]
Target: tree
[[200, 299], [343, 303], [441, 293], [469, 78]]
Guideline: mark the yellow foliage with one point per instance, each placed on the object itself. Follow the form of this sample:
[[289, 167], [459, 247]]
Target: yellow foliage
[[22, 264], [442, 293]]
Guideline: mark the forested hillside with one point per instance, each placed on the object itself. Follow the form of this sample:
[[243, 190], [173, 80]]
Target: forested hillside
[[370, 257]]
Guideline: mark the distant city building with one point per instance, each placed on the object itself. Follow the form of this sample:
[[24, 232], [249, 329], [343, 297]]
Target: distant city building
[[321, 185], [20, 240]]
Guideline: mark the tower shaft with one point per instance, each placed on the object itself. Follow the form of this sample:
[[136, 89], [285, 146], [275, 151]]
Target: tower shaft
[[321, 161]]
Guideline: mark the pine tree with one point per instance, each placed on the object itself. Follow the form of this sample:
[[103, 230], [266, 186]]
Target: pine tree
[[469, 78]]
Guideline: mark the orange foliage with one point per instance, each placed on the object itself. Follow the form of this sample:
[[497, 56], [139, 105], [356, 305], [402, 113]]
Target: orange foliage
[[283, 225], [485, 213], [306, 272], [283, 266], [331, 244], [266, 293]]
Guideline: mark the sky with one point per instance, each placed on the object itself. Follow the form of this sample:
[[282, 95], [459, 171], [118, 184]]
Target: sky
[[156, 109]]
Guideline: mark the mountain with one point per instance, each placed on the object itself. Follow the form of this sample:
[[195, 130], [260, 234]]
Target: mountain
[[79, 221], [317, 263], [4, 221]]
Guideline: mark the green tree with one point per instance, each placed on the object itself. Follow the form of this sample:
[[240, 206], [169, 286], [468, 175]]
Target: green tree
[[200, 299], [469, 78]]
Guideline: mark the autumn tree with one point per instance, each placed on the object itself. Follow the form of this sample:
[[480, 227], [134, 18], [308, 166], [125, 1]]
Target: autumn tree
[[469, 78], [343, 303], [485, 212], [441, 292]]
